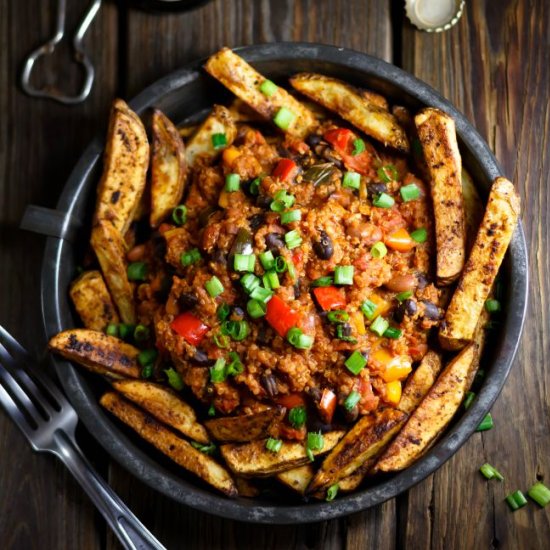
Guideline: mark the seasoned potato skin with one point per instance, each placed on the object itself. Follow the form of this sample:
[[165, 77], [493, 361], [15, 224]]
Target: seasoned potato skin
[[98, 352], [297, 479], [436, 131], [174, 447], [481, 269], [92, 301]]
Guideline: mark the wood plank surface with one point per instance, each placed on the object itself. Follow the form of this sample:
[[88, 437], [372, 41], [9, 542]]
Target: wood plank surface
[[493, 66]]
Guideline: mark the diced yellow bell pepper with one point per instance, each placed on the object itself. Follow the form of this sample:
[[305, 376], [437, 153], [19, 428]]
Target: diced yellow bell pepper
[[393, 392], [230, 155], [397, 369], [223, 199], [382, 305], [358, 320]]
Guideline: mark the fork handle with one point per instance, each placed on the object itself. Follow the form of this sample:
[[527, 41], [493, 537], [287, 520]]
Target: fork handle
[[130, 531]]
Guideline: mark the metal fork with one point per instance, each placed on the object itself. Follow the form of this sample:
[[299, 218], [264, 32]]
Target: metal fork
[[48, 421]]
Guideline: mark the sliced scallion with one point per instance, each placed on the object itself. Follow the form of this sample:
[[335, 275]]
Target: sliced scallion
[[322, 281], [343, 275], [256, 308], [291, 216], [402, 296], [190, 257], [297, 416], [392, 332], [232, 182], [369, 309], [293, 239], [219, 140], [284, 118], [267, 260], [516, 500], [271, 280], [214, 287], [383, 200], [358, 146], [410, 192], [338, 316], [420, 235], [298, 339], [355, 362], [490, 472], [268, 88], [486, 423], [244, 262], [388, 173], [378, 250], [351, 400], [218, 372], [332, 491], [352, 180], [540, 494], [179, 214], [273, 445], [174, 379], [379, 326]]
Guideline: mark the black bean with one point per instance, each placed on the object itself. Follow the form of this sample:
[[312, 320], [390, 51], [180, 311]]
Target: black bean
[[274, 242], [315, 393], [399, 313], [422, 280], [263, 201], [410, 307], [187, 301], [269, 384], [313, 139], [374, 189], [256, 221], [200, 358], [219, 256], [283, 152], [431, 311], [323, 247]]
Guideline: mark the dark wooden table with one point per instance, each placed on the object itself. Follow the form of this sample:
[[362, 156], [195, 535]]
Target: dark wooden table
[[494, 66]]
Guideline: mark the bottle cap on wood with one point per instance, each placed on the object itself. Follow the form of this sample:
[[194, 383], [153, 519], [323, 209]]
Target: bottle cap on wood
[[434, 15]]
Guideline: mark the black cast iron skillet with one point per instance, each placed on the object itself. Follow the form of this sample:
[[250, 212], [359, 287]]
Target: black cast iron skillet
[[181, 95]]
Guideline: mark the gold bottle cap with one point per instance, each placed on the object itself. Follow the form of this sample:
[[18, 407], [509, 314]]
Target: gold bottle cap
[[434, 15]]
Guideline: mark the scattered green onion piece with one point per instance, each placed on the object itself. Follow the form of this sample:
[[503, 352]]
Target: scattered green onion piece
[[211, 411], [470, 396], [254, 188], [256, 309], [250, 282], [388, 173], [298, 339], [221, 340], [244, 262], [378, 250], [402, 296], [297, 416], [232, 182], [223, 311], [190, 257], [111, 330], [344, 337], [291, 271], [206, 449], [236, 366], [322, 281], [137, 271], [410, 192], [284, 118], [125, 331], [368, 308], [352, 180], [218, 372], [338, 316], [287, 199], [179, 214], [379, 326], [314, 442], [343, 275], [261, 294], [486, 423], [280, 265], [392, 332], [332, 491], [293, 239], [291, 216], [147, 371], [358, 146], [277, 206], [273, 445], [174, 379], [141, 333], [490, 472], [420, 235], [268, 88], [267, 260], [383, 200], [516, 500], [271, 280], [214, 286], [241, 331], [492, 305], [351, 400], [540, 494], [219, 140], [147, 357], [355, 362]]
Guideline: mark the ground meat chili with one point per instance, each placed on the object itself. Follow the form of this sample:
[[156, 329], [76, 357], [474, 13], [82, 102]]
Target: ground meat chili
[[304, 285]]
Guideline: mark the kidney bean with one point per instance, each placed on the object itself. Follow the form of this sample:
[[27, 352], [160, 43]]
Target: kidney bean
[[200, 358], [402, 283], [136, 254], [367, 232]]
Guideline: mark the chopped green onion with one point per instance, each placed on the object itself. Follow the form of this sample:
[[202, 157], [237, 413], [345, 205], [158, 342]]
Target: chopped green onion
[[322, 281], [379, 326], [293, 239], [206, 449], [214, 286], [540, 494], [341, 334], [469, 399], [298, 339], [268, 88], [277, 206], [355, 362], [147, 357], [218, 372], [271, 280], [420, 235], [368, 308], [282, 200], [190, 257], [244, 262], [174, 379], [297, 416], [147, 371], [267, 260], [343, 275], [236, 366], [250, 282], [256, 308], [378, 250], [179, 214], [338, 316], [211, 411], [125, 331], [410, 192], [221, 340], [223, 311], [402, 296], [291, 270], [280, 265], [291, 216], [352, 180], [392, 332], [332, 491], [137, 271], [383, 200], [516, 500], [254, 188], [273, 445], [351, 400], [219, 140], [141, 333], [261, 294], [111, 330], [232, 182], [489, 472], [314, 442], [284, 118], [388, 173], [358, 146], [486, 423], [492, 305], [238, 330]]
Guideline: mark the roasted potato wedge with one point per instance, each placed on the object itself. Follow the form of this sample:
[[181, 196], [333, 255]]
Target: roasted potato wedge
[[92, 301], [365, 440], [253, 459], [297, 479], [493, 238], [354, 107], [244, 81], [436, 131], [125, 164], [174, 447], [168, 168], [165, 405], [109, 248], [244, 428], [433, 414], [219, 121], [420, 382], [374, 99], [98, 352]]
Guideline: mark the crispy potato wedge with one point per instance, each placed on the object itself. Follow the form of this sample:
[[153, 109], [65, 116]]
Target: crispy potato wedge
[[109, 247], [244, 81], [365, 440], [375, 99], [165, 405], [420, 382], [351, 482], [493, 238], [219, 121], [125, 164], [244, 428], [436, 131], [253, 459], [473, 208], [98, 352], [168, 168], [354, 107], [433, 414], [297, 479], [92, 301], [167, 442]]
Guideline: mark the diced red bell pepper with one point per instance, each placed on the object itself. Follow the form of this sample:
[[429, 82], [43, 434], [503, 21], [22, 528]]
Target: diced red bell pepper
[[280, 316], [297, 258], [190, 327], [291, 400], [341, 140], [286, 169], [327, 405], [329, 297], [295, 434], [369, 401]]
